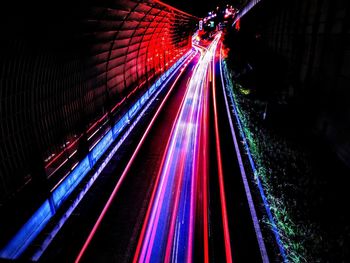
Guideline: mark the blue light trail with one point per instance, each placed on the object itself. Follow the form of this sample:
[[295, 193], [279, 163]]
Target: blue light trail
[[31, 229]]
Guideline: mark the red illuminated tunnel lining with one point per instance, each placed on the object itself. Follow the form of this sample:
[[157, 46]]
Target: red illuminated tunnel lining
[[100, 57], [131, 44]]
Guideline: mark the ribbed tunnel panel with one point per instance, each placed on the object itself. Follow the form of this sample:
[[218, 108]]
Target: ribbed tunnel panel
[[58, 90]]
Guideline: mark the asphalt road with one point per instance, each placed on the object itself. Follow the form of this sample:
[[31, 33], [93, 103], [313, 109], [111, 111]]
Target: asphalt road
[[223, 225]]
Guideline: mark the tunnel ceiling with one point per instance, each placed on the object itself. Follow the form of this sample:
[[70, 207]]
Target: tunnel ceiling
[[64, 69]]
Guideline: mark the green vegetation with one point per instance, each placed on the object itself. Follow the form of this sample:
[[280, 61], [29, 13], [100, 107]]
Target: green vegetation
[[281, 168]]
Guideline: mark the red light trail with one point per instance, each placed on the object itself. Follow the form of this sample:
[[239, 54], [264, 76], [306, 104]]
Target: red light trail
[[112, 196], [171, 217], [177, 216], [220, 174]]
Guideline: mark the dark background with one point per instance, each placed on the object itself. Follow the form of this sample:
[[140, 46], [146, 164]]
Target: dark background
[[300, 50]]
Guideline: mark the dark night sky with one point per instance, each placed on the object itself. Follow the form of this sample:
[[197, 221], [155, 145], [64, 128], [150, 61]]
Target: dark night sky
[[199, 8], [12, 9]]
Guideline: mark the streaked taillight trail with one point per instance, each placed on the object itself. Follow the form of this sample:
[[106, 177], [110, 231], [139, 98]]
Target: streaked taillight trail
[[168, 231]]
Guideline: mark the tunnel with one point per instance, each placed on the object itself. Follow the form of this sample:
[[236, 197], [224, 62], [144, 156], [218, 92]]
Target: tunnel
[[68, 75], [158, 131]]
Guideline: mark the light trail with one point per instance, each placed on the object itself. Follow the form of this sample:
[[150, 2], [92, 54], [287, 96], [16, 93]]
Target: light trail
[[205, 166], [120, 181], [227, 239], [275, 230], [27, 234], [254, 216], [203, 169], [168, 230], [175, 172], [180, 195]]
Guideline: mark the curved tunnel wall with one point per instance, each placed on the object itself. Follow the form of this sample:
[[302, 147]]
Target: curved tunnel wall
[[67, 73]]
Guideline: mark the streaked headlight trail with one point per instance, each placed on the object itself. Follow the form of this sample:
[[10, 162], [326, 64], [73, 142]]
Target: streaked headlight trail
[[169, 230], [187, 216]]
